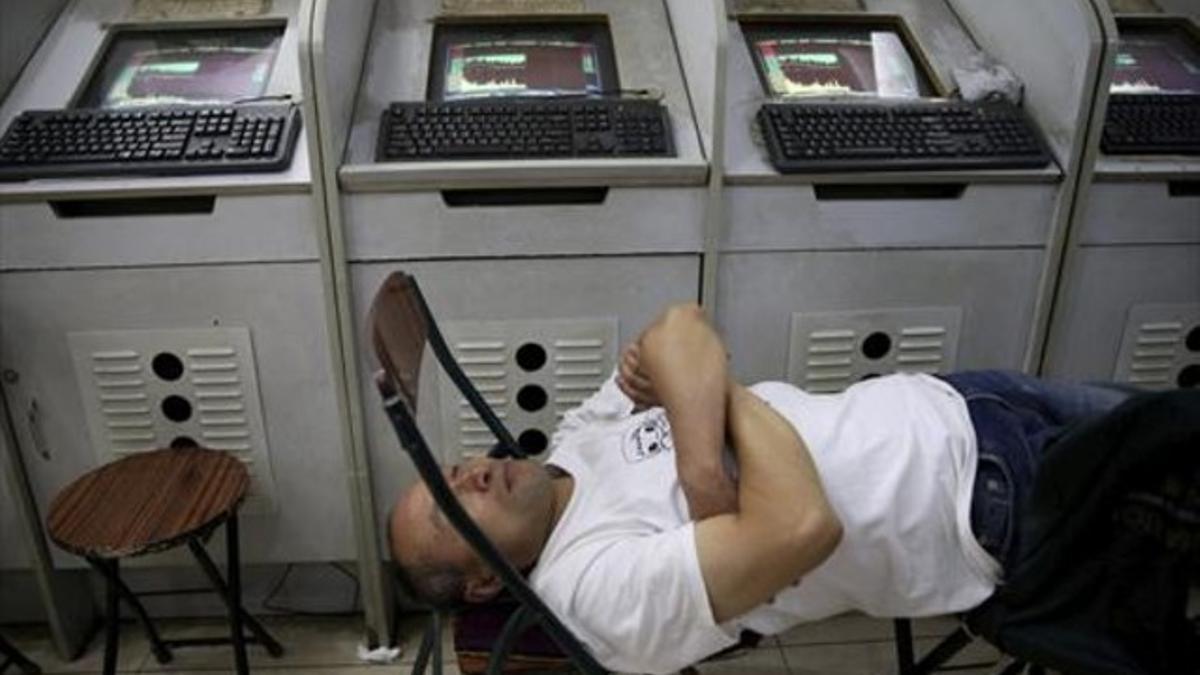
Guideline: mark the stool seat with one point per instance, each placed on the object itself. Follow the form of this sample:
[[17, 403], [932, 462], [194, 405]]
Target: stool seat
[[153, 501], [147, 502]]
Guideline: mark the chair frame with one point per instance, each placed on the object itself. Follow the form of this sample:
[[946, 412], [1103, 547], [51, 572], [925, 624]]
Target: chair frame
[[933, 661], [400, 299], [13, 657]]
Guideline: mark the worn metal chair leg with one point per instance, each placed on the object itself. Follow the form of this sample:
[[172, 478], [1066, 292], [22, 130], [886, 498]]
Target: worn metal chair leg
[[214, 577], [437, 643], [944, 651], [517, 623], [431, 637], [13, 656]]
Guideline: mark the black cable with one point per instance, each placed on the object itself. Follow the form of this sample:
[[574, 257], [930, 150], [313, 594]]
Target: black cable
[[267, 603]]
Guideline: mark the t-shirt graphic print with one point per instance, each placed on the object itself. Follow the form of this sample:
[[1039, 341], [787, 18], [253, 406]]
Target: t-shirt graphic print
[[648, 439]]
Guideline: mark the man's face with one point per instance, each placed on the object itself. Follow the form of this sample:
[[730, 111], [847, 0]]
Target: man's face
[[512, 501]]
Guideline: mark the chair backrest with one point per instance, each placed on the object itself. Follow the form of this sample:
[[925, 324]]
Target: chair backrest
[[401, 327]]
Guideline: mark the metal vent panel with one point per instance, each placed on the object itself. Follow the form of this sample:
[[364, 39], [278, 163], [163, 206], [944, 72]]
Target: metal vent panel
[[829, 351], [1159, 347], [213, 399], [578, 355]]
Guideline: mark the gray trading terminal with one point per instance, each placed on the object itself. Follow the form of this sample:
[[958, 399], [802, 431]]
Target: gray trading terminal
[[198, 272]]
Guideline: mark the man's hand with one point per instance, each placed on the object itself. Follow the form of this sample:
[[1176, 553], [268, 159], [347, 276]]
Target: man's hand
[[679, 362], [632, 381]]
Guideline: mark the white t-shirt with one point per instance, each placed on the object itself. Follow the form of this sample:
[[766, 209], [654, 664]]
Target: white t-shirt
[[896, 456]]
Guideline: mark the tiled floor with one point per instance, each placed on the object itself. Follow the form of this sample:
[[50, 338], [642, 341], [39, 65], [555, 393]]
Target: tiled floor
[[849, 645]]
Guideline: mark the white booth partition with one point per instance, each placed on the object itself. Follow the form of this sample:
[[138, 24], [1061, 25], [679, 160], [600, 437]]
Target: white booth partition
[[31, 589], [1128, 306], [339, 38], [170, 311], [827, 278], [537, 269]]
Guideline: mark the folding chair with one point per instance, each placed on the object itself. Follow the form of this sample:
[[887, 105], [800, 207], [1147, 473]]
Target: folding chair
[[1111, 537], [401, 326]]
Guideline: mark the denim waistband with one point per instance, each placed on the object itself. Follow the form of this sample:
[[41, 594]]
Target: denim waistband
[[1016, 418]]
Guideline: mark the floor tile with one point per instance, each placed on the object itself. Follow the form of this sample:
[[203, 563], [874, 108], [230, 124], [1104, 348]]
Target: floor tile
[[766, 659], [307, 642], [856, 627], [35, 643], [871, 658]]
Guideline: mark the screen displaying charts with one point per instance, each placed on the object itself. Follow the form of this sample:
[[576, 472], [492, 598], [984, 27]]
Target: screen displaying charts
[[521, 58], [820, 60], [521, 67], [1156, 61], [146, 67]]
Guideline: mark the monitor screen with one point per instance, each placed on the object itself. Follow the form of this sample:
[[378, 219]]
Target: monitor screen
[[1156, 60], [806, 59], [495, 60], [143, 67]]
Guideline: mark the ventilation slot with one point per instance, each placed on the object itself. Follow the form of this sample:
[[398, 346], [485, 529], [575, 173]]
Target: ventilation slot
[[529, 372], [151, 389], [1160, 348], [833, 350]]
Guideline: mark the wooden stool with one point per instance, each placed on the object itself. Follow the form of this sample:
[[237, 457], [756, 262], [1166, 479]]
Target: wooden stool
[[151, 502], [13, 657]]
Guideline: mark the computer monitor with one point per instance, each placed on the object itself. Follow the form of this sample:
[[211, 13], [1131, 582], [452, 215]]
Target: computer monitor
[[1157, 59], [806, 58], [504, 59], [163, 66]]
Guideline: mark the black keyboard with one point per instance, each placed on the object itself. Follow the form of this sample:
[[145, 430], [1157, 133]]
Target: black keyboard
[[149, 141], [524, 128], [1155, 124], [832, 136]]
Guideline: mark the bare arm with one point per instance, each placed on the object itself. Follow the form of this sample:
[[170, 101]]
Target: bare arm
[[679, 363], [784, 526]]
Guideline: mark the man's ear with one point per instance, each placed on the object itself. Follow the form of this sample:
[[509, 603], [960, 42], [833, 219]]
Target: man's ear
[[482, 588]]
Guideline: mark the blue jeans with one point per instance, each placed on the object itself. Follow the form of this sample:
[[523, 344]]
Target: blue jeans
[[1016, 417]]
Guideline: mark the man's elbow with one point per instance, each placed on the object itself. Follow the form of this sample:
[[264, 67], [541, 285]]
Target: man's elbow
[[817, 536]]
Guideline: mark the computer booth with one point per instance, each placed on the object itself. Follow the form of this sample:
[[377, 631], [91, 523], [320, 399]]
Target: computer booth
[[163, 279], [897, 179], [540, 255], [1128, 308]]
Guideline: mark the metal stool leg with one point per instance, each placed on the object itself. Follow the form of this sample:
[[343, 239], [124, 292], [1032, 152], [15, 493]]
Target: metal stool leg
[[162, 653], [112, 613], [233, 562], [14, 657], [214, 576]]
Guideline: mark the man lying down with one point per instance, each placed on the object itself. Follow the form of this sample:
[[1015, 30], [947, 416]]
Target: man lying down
[[657, 549]]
